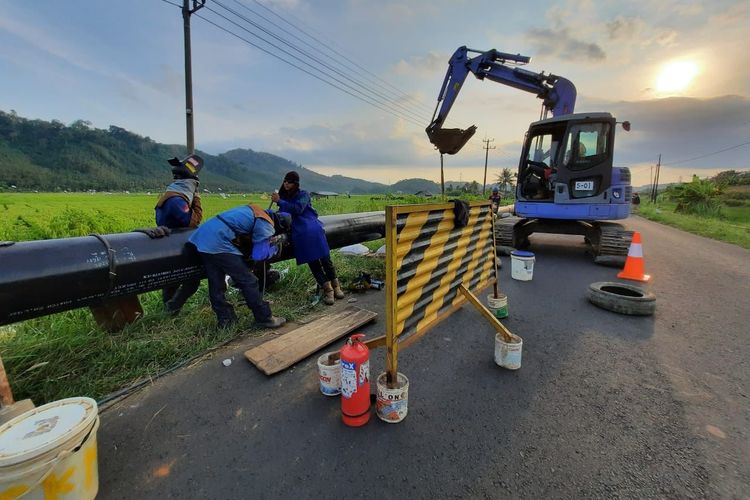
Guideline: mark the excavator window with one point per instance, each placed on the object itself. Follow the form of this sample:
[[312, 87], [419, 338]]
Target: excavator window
[[586, 145]]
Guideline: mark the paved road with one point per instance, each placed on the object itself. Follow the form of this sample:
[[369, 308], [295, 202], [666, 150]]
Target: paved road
[[604, 405]]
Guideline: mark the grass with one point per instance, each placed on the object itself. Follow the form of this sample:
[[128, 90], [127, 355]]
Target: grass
[[66, 354], [732, 226]]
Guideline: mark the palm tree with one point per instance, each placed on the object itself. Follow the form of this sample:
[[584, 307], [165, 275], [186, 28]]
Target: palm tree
[[506, 178]]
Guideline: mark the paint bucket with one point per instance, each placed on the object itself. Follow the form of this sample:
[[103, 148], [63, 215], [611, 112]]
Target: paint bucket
[[522, 265], [508, 354], [392, 404], [50, 452], [329, 374], [499, 305]]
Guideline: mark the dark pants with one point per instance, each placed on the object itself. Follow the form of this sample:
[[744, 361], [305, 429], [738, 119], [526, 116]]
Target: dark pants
[[222, 264], [175, 296], [322, 270]]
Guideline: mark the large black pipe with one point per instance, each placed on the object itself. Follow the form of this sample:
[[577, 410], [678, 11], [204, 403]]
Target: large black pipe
[[38, 278]]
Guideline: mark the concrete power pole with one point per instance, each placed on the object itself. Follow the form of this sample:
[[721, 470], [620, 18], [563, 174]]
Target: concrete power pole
[[486, 148], [186, 13]]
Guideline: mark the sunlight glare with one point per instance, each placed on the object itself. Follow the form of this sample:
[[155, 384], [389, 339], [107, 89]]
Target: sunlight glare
[[676, 76]]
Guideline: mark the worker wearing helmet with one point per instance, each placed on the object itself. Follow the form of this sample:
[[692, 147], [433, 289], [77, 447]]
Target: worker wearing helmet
[[221, 241], [180, 207], [495, 198]]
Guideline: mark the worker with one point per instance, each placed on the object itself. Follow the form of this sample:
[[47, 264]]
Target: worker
[[495, 198], [308, 237], [180, 207], [221, 241]]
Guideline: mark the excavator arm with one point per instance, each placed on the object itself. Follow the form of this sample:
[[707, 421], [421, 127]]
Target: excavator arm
[[558, 94]]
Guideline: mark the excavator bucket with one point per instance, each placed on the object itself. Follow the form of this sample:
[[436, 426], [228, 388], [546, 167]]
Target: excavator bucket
[[450, 140]]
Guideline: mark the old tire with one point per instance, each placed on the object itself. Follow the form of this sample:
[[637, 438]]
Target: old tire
[[622, 298]]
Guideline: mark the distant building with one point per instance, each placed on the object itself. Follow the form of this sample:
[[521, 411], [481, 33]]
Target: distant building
[[424, 194], [322, 194]]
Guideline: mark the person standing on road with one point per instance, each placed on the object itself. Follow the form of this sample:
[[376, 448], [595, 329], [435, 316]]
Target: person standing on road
[[180, 207], [495, 198], [221, 241], [308, 237]]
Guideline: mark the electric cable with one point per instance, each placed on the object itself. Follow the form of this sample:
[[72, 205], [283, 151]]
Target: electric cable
[[362, 96], [362, 84], [707, 154], [425, 107]]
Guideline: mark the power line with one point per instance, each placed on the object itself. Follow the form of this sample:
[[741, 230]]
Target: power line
[[335, 60], [301, 68], [171, 3], [708, 154], [405, 95], [384, 99]]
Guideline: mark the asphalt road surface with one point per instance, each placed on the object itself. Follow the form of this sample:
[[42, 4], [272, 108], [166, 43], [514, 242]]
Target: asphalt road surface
[[604, 405]]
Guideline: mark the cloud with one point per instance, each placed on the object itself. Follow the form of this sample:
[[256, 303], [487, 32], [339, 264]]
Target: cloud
[[559, 42], [681, 128]]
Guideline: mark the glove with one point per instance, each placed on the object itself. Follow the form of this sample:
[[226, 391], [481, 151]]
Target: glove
[[154, 232], [279, 240]]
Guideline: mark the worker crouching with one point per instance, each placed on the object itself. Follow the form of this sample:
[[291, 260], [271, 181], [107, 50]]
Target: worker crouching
[[221, 242]]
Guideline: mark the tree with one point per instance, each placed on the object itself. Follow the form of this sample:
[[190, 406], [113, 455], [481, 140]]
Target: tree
[[507, 179]]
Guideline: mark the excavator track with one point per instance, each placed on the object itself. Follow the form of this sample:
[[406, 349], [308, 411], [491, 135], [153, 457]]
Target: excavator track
[[504, 228], [610, 243]]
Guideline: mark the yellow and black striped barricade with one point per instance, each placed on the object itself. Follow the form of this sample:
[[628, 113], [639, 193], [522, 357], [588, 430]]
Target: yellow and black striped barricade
[[428, 259]]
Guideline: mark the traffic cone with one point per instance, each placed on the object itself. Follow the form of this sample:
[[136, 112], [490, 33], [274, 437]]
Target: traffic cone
[[633, 269]]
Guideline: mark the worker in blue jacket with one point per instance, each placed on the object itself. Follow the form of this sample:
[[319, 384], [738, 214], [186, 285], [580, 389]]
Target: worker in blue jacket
[[221, 241], [308, 236], [180, 207]]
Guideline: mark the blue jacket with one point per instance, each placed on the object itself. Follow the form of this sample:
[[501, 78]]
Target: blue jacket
[[308, 235], [174, 213], [215, 236]]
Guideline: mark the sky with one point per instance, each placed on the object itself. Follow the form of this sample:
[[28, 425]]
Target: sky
[[679, 71]]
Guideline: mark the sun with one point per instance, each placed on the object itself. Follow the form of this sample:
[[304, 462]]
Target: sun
[[676, 76]]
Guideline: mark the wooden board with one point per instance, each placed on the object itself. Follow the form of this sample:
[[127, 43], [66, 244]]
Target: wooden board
[[282, 352]]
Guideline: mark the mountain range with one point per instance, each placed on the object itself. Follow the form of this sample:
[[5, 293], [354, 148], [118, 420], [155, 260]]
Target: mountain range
[[51, 156]]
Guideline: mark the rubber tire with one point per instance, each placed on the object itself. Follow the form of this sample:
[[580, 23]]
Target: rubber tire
[[641, 303]]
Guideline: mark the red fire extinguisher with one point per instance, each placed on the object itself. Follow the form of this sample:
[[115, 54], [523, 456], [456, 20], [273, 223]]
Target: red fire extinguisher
[[355, 382]]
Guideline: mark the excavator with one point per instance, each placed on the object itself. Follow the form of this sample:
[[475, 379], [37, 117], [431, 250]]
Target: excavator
[[566, 181]]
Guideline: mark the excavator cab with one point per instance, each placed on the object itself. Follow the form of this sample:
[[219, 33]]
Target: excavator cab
[[567, 163]]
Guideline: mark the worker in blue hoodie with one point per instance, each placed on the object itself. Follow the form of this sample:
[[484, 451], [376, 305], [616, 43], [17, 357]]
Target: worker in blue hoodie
[[180, 207], [221, 243]]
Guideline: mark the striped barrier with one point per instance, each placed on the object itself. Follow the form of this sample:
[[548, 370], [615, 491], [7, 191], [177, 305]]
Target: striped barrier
[[428, 258]]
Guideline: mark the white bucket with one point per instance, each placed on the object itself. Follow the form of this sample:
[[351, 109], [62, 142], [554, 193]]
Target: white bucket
[[499, 305], [51, 452], [522, 265], [393, 404], [329, 375], [508, 355]]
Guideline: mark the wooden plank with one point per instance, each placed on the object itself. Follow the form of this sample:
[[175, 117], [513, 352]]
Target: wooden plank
[[499, 327], [282, 352]]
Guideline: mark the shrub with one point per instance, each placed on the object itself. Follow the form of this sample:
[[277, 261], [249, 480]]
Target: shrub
[[699, 197]]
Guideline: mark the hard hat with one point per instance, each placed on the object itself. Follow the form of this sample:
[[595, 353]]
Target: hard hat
[[495, 189], [189, 167]]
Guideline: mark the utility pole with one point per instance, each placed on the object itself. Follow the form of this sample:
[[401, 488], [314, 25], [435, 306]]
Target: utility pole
[[186, 13], [486, 148], [655, 190]]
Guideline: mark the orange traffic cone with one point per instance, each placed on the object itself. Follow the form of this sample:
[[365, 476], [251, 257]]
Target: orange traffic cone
[[633, 269]]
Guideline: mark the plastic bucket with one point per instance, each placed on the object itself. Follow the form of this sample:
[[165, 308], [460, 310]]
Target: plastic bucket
[[522, 265], [508, 354], [329, 374], [393, 404], [51, 452], [499, 305]]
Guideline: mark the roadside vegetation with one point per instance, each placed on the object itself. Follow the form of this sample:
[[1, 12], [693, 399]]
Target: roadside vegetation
[[66, 354], [717, 208]]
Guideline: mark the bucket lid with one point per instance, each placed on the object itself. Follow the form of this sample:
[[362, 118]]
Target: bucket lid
[[42, 429], [522, 253]]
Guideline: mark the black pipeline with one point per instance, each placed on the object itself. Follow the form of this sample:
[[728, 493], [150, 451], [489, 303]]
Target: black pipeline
[[38, 278]]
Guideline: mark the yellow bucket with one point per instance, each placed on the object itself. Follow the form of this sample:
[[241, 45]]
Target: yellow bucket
[[50, 452]]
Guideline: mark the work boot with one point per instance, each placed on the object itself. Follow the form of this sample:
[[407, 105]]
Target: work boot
[[328, 293], [227, 322], [337, 291], [272, 322]]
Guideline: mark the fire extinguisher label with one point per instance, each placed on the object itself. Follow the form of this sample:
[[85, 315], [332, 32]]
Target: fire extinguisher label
[[364, 372], [348, 378]]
